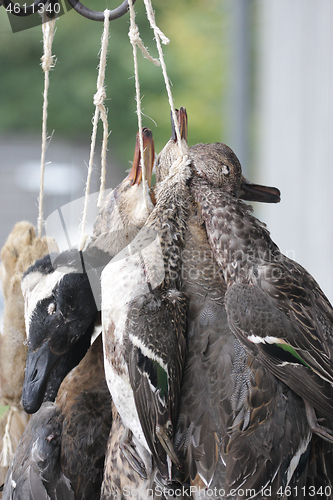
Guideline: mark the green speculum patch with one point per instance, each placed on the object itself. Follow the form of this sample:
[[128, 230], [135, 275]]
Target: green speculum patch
[[291, 350]]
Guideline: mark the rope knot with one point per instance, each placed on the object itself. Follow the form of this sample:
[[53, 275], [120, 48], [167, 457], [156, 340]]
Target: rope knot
[[47, 62], [99, 97], [134, 35]]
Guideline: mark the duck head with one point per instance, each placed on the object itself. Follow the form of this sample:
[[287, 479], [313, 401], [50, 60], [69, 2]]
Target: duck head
[[219, 166], [60, 314], [171, 150], [133, 197], [126, 209]]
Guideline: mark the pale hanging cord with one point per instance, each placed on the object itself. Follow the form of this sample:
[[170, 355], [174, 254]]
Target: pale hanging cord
[[159, 35], [7, 449], [99, 101], [101, 112], [48, 63], [135, 40]]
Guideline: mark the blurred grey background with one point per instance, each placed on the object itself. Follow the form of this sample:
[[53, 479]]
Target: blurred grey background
[[255, 74]]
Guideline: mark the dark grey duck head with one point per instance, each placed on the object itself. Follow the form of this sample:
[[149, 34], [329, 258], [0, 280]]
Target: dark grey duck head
[[218, 165]]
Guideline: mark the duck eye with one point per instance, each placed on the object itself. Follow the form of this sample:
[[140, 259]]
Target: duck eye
[[51, 308], [225, 169]]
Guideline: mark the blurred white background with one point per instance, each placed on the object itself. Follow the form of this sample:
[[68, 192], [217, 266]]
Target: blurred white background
[[294, 115]]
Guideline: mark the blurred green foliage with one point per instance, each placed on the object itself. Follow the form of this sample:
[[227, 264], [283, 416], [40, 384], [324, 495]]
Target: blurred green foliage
[[195, 60]]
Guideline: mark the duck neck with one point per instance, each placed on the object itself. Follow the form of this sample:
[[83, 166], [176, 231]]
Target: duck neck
[[241, 243], [172, 208]]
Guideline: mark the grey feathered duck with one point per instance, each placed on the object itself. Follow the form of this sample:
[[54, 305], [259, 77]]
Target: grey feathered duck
[[60, 317], [143, 366], [273, 304], [284, 322], [208, 379], [230, 404], [222, 388]]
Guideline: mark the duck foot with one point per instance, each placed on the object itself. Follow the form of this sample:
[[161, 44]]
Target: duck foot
[[321, 431], [129, 451]]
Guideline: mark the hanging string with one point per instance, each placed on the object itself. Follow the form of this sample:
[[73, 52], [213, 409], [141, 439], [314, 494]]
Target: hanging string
[[7, 449], [159, 35], [48, 62], [101, 112], [99, 102], [136, 41]]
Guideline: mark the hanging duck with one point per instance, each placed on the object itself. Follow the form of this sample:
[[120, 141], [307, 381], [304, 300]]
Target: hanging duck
[[216, 368], [60, 305], [21, 249], [264, 407], [140, 289], [81, 401], [274, 306]]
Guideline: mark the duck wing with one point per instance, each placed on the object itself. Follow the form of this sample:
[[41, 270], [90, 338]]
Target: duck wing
[[261, 448], [35, 472], [290, 349], [85, 404], [155, 365]]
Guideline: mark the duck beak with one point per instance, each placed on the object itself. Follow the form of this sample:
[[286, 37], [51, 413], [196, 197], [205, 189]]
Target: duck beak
[[38, 368], [135, 174], [182, 124], [255, 192]]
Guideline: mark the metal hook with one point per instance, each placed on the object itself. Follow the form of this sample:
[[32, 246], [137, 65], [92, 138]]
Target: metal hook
[[78, 6], [99, 16]]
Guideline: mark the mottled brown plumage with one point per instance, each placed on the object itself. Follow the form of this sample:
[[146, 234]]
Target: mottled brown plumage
[[287, 318], [126, 208], [228, 403], [140, 367], [281, 317]]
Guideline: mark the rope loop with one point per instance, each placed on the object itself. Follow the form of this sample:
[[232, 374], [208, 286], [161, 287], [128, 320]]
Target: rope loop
[[100, 112]]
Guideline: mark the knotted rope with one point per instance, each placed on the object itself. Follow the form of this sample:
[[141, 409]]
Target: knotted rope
[[100, 112], [48, 62], [136, 41], [159, 36]]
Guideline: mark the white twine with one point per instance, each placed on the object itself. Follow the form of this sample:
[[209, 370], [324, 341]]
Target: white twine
[[48, 63], [7, 449], [135, 39], [101, 112], [159, 35], [134, 36]]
